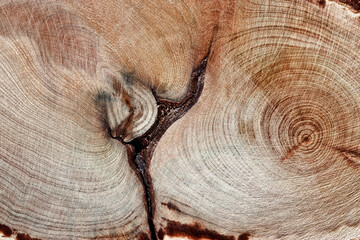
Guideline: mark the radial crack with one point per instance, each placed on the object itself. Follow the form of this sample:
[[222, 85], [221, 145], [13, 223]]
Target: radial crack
[[140, 150]]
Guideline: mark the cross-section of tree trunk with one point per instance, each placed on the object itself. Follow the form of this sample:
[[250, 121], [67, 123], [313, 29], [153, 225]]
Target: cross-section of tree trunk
[[194, 119]]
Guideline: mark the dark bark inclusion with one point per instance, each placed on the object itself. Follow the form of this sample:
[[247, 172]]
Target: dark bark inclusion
[[140, 149]]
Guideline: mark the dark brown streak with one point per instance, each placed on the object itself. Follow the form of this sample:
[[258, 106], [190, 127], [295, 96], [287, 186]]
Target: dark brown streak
[[140, 150], [322, 3], [353, 4], [22, 236], [7, 232], [244, 236], [195, 231]]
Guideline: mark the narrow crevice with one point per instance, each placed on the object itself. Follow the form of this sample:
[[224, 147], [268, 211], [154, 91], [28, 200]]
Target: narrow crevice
[[146, 180], [140, 150]]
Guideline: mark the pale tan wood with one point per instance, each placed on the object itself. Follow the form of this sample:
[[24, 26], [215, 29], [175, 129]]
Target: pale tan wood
[[62, 175], [272, 146], [270, 150]]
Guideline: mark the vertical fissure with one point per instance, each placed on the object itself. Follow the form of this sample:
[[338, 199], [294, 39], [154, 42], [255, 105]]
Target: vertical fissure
[[140, 150]]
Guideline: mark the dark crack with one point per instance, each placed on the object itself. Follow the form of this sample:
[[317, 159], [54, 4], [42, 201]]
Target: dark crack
[[140, 150]]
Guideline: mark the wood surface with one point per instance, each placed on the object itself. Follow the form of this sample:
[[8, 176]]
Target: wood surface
[[192, 119]]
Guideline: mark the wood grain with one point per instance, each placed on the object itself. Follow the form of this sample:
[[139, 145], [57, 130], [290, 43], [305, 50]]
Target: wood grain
[[271, 148], [135, 119]]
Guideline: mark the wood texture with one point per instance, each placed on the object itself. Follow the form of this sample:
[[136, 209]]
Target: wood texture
[[275, 150], [180, 119]]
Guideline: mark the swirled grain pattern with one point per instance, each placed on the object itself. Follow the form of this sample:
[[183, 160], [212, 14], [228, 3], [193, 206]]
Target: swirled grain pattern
[[62, 175], [270, 150], [275, 151]]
